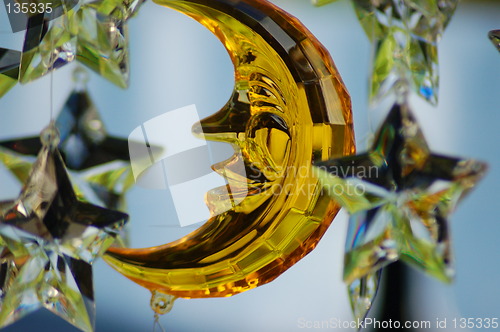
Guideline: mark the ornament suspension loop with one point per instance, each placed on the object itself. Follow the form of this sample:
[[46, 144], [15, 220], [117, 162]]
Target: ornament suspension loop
[[161, 304], [80, 78], [157, 324], [50, 136], [402, 91]]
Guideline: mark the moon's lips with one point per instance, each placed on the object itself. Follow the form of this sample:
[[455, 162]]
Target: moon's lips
[[289, 108]]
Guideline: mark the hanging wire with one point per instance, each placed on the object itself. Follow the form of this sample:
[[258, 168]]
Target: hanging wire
[[52, 60], [50, 136], [156, 324], [402, 90]]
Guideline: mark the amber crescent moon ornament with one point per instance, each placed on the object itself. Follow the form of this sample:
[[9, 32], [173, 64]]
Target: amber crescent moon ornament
[[289, 108]]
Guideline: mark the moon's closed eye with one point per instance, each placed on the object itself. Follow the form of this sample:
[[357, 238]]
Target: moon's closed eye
[[289, 108]]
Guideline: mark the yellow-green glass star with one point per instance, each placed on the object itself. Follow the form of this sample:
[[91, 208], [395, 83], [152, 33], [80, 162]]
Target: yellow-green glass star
[[9, 69], [399, 196], [404, 36], [94, 34], [49, 239]]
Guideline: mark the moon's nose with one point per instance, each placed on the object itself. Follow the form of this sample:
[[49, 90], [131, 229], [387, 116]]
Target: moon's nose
[[227, 125]]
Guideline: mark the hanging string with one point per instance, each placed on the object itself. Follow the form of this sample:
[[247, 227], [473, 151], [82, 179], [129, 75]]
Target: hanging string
[[49, 136], [156, 324], [52, 61]]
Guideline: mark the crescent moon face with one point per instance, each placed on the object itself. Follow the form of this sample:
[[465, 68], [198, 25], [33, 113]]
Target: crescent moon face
[[288, 109]]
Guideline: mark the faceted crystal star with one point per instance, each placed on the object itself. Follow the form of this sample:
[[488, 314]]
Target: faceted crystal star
[[494, 37], [9, 69], [49, 241], [399, 196], [95, 34], [405, 35], [99, 164]]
